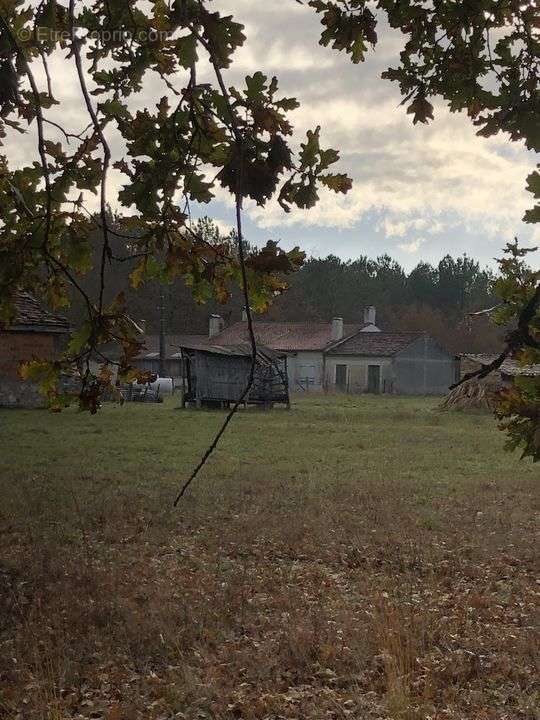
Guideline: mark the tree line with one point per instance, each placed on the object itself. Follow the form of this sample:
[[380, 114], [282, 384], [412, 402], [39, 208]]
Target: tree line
[[436, 298], [334, 286]]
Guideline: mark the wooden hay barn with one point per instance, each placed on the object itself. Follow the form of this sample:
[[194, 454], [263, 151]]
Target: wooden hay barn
[[218, 375]]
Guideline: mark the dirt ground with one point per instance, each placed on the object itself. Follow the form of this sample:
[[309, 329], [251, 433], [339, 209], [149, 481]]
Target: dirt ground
[[365, 557]]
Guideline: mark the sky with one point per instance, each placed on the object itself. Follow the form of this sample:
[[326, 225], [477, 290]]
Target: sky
[[420, 192]]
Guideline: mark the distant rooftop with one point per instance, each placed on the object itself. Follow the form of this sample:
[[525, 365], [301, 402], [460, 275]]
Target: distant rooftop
[[32, 316], [287, 336], [173, 342], [384, 344], [509, 366]]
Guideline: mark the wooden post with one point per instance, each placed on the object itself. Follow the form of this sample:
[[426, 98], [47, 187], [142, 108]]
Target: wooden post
[[286, 381], [183, 371], [162, 342]]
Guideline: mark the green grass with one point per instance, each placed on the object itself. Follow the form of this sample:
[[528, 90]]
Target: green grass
[[364, 555], [407, 439]]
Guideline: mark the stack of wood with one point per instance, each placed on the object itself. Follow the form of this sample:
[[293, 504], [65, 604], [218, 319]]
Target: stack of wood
[[473, 394]]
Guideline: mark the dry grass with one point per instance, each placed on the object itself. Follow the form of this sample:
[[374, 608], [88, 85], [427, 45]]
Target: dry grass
[[363, 558]]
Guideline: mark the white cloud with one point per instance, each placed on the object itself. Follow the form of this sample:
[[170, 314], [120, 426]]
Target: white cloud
[[420, 179], [280, 56], [224, 227], [410, 180], [400, 228], [411, 247], [434, 180]]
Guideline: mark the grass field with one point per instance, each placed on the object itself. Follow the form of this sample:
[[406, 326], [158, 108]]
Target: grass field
[[354, 557]]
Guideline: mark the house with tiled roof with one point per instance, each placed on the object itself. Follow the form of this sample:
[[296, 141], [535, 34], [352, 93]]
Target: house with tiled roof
[[305, 343], [325, 356], [350, 358], [34, 331], [403, 363]]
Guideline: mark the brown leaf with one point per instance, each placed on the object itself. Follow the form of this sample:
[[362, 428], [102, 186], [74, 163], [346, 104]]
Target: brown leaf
[[421, 109]]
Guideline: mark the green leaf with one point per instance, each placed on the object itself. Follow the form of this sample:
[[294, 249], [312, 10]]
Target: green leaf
[[114, 109], [421, 109], [533, 183], [80, 338], [256, 85], [186, 48], [309, 154]]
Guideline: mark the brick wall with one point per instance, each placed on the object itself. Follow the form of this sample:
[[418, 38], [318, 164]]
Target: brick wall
[[15, 347]]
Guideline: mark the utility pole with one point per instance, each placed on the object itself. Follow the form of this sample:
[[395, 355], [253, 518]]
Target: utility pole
[[162, 342]]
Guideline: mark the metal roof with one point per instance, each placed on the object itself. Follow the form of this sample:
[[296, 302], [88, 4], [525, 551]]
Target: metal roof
[[265, 355]]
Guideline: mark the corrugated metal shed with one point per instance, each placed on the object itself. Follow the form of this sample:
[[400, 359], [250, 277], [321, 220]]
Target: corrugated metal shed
[[219, 374], [264, 354]]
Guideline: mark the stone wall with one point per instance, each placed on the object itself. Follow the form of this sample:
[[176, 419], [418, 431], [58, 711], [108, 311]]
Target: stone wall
[[15, 348], [19, 394]]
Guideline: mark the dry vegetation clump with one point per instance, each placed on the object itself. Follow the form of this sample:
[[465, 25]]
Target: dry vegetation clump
[[473, 394], [358, 583]]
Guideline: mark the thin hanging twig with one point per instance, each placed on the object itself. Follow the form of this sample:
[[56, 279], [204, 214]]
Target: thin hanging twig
[[106, 249], [245, 286], [251, 376]]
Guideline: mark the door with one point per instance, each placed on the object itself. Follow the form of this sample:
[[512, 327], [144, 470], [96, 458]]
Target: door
[[374, 378], [307, 376], [341, 377]]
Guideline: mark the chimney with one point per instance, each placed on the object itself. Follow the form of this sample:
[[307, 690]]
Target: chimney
[[337, 329], [215, 325], [369, 315]]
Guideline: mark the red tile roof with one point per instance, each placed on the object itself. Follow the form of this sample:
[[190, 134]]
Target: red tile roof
[[375, 343], [32, 316], [283, 335]]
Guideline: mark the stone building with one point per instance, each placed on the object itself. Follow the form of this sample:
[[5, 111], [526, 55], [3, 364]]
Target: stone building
[[34, 332]]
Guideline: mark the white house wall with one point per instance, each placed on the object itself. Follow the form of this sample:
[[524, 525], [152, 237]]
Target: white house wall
[[423, 368], [357, 372], [305, 370]]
